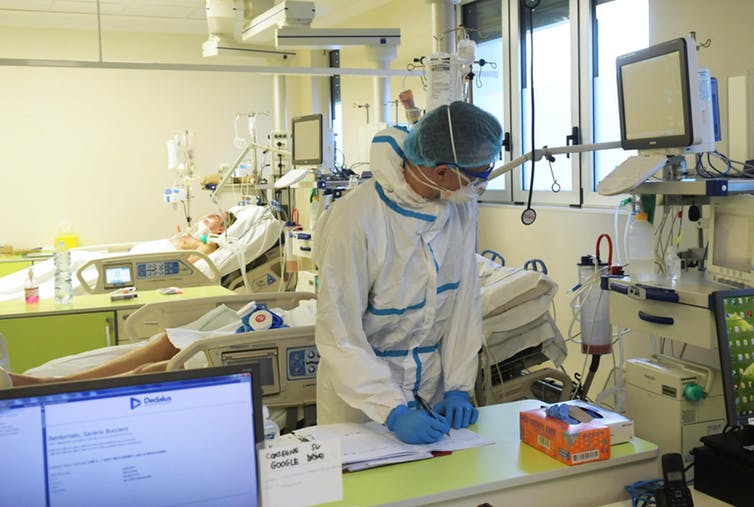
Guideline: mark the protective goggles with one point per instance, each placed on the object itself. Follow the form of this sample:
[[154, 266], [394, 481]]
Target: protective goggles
[[469, 175]]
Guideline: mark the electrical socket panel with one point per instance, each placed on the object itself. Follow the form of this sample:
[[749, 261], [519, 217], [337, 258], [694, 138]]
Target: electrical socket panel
[[279, 139]]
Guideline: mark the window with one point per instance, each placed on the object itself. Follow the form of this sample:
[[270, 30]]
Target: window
[[483, 21], [546, 67], [620, 27], [567, 50]]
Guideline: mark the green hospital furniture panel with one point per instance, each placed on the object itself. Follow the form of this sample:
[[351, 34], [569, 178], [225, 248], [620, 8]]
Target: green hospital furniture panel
[[33, 341]]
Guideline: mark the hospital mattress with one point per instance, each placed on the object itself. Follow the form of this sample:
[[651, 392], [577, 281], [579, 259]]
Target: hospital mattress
[[518, 330]]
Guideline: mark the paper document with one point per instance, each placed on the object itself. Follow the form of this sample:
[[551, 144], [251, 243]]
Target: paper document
[[371, 444]]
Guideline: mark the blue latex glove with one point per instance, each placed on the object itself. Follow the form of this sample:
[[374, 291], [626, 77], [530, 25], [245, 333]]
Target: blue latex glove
[[457, 409], [415, 426]]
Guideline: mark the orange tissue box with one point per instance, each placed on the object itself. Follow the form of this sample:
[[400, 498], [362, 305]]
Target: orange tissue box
[[573, 444]]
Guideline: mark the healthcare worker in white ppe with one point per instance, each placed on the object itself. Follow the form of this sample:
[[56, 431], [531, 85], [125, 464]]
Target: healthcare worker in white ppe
[[398, 306]]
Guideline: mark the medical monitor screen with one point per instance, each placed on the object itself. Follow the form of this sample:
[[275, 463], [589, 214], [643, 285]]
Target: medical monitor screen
[[118, 276], [732, 247], [654, 97], [734, 317], [731, 241], [307, 140], [187, 437]]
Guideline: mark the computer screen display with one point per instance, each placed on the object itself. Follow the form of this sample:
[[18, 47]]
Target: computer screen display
[[734, 318], [187, 437], [307, 134], [657, 98]]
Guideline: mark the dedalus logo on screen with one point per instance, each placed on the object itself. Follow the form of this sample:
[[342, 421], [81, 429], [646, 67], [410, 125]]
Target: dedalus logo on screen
[[150, 400]]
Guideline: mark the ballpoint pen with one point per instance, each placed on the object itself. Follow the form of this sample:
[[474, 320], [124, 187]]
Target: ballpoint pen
[[425, 406]]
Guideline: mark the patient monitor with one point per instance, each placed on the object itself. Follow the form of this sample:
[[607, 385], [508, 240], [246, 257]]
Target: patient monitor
[[147, 272]]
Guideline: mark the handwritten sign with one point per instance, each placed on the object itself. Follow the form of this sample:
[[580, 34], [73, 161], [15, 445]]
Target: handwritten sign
[[301, 474]]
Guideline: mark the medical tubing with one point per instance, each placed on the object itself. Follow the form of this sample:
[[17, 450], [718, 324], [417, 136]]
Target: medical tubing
[[626, 228], [593, 366], [618, 387]]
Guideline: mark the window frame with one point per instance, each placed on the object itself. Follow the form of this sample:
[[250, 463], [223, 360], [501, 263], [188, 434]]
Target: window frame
[[582, 19], [505, 195]]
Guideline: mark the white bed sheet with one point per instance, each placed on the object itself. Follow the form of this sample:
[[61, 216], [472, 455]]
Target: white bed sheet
[[255, 231], [516, 311]]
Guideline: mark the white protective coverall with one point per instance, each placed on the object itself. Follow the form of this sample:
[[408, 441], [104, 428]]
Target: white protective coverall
[[399, 304]]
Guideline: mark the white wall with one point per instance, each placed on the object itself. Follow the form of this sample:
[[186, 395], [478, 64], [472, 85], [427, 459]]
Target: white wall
[[87, 146]]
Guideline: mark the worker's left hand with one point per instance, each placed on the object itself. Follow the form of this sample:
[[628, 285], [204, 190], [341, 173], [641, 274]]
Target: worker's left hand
[[457, 409]]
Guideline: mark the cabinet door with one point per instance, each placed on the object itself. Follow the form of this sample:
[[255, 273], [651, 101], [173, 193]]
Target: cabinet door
[[35, 340], [6, 268]]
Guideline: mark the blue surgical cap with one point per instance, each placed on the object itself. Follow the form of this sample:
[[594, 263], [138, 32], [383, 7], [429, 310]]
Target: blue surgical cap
[[477, 136]]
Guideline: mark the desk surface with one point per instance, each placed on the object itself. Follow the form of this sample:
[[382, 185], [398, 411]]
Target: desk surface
[[506, 465], [99, 302], [700, 500]]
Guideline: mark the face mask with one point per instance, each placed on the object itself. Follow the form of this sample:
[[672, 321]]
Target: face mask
[[463, 195], [201, 229]]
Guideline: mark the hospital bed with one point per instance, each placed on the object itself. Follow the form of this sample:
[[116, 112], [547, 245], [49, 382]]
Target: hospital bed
[[287, 357], [519, 336], [253, 236]]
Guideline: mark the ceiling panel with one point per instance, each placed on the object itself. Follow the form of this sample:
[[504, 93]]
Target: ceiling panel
[[329, 12]]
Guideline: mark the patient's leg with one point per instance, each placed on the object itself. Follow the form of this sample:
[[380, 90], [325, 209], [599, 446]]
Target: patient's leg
[[156, 351]]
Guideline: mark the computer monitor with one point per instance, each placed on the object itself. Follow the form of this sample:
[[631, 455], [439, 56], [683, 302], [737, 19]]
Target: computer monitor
[[308, 139], [180, 437], [734, 318], [731, 241], [665, 100]]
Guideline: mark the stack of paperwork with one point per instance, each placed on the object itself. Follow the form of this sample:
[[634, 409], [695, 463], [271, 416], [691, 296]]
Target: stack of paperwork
[[371, 444]]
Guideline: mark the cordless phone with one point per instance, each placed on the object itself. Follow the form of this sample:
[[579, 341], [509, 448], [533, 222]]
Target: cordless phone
[[675, 492]]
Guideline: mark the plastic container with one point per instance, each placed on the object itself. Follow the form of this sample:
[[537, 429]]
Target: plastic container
[[271, 429], [641, 257], [673, 267], [594, 317], [63, 284], [31, 289]]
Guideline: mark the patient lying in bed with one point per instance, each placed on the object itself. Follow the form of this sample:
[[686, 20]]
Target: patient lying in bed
[[203, 237], [153, 354], [250, 231]]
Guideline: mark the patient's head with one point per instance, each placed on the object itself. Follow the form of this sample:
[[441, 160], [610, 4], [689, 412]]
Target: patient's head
[[217, 223]]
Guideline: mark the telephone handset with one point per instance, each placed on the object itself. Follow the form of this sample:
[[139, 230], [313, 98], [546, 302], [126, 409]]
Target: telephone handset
[[675, 492]]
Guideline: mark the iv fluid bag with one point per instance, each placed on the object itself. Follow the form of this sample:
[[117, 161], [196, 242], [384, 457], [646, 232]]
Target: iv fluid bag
[[443, 80]]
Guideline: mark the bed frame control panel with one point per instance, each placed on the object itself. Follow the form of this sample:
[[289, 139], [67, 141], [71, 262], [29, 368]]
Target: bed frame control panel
[[147, 272], [287, 358], [302, 362]]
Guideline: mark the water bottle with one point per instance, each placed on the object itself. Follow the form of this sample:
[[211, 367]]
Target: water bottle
[[673, 266], [641, 258], [271, 429], [63, 285]]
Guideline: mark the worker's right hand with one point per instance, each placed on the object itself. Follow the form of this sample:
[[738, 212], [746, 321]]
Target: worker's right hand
[[416, 426]]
